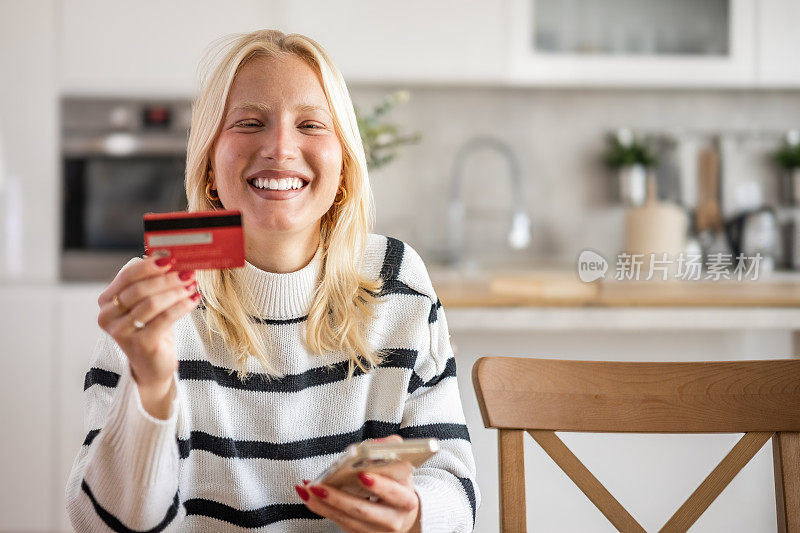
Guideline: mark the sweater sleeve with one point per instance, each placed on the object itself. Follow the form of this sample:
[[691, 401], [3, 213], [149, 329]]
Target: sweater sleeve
[[446, 486], [125, 476]]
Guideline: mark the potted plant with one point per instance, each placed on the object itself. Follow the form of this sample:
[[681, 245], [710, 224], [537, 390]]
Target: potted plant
[[382, 139], [631, 159], [788, 157]]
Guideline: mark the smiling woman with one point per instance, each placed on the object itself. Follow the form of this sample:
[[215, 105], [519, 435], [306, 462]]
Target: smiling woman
[[209, 417]]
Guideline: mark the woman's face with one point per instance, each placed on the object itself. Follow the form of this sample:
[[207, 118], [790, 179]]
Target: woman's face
[[277, 124]]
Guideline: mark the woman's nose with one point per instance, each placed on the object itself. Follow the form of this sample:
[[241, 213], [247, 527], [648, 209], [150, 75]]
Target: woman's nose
[[280, 143]]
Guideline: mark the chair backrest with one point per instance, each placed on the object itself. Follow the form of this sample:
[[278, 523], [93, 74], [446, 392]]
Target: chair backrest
[[541, 396]]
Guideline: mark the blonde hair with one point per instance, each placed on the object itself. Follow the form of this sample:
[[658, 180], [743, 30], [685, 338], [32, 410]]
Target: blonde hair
[[344, 301]]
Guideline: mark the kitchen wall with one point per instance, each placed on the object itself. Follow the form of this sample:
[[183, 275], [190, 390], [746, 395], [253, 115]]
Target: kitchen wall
[[558, 135]]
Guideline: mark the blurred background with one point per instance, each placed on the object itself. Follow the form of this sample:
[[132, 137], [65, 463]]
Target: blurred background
[[505, 138]]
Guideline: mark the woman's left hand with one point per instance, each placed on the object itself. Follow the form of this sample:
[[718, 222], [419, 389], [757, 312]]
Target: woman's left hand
[[396, 511]]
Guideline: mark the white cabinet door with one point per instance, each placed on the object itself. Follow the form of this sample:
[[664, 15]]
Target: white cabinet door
[[148, 47], [27, 401], [29, 166], [531, 65], [412, 41], [778, 43], [77, 334]]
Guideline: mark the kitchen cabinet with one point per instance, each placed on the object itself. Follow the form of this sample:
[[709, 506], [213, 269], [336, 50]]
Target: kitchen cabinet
[[621, 43], [406, 42], [27, 397], [153, 48], [29, 194], [48, 332], [76, 333], [150, 47], [778, 43]]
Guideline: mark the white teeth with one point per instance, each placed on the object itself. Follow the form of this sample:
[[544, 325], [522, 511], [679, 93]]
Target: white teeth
[[278, 184]]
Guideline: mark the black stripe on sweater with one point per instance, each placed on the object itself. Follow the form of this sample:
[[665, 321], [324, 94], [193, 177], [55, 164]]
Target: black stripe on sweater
[[90, 437], [204, 371], [98, 376], [392, 259], [441, 431], [416, 382], [113, 522], [252, 518], [279, 322], [434, 314], [284, 451], [394, 286], [302, 449], [470, 490]]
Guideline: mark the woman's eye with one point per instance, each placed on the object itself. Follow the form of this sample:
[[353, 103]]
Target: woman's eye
[[314, 126], [247, 123]]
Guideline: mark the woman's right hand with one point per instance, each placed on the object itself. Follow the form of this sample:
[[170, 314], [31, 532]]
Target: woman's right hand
[[153, 297]]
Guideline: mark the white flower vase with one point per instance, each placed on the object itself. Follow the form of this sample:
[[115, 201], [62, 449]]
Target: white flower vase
[[632, 184]]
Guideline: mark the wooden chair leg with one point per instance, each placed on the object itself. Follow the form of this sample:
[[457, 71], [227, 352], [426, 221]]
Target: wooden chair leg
[[512, 480], [786, 461]]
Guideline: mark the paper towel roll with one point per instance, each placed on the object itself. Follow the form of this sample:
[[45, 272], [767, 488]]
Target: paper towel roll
[[653, 229]]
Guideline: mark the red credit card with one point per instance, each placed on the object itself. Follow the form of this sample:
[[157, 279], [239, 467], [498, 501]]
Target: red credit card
[[198, 239]]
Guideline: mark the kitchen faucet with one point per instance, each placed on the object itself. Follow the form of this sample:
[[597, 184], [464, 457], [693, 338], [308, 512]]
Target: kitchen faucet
[[520, 234]]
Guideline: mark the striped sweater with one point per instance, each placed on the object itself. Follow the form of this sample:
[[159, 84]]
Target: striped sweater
[[229, 454]]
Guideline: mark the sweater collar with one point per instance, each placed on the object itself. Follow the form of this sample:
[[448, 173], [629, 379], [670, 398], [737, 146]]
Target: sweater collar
[[282, 296]]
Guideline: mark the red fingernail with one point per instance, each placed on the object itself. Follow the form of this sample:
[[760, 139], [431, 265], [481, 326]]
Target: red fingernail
[[186, 274], [318, 491], [302, 493], [164, 261], [306, 482], [366, 479], [192, 286], [195, 296]]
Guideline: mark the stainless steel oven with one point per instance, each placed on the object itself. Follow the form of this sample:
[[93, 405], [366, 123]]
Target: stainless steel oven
[[120, 159]]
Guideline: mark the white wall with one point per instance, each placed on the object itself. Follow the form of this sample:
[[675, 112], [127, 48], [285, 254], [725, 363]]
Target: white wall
[[558, 136]]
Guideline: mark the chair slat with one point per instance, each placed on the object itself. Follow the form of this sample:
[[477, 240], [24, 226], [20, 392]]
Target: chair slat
[[586, 481], [786, 461], [719, 478], [512, 480], [633, 397]]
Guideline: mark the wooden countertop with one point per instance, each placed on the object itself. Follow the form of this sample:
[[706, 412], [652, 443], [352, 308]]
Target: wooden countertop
[[564, 289]]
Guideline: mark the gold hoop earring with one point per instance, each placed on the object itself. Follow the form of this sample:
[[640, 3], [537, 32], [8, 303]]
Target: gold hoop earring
[[344, 196], [213, 199]]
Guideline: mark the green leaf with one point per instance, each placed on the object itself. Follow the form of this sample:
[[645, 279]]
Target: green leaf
[[383, 139]]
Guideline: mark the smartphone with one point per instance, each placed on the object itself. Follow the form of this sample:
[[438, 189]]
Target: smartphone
[[373, 457]]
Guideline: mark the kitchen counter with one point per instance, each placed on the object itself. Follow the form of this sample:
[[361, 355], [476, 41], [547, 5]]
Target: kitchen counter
[[556, 300], [561, 288]]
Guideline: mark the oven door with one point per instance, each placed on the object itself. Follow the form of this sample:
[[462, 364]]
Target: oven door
[[104, 199]]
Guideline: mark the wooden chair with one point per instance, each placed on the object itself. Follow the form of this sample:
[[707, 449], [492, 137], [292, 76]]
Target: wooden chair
[[758, 398]]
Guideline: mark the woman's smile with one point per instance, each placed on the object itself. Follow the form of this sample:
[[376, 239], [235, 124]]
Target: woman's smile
[[277, 185]]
